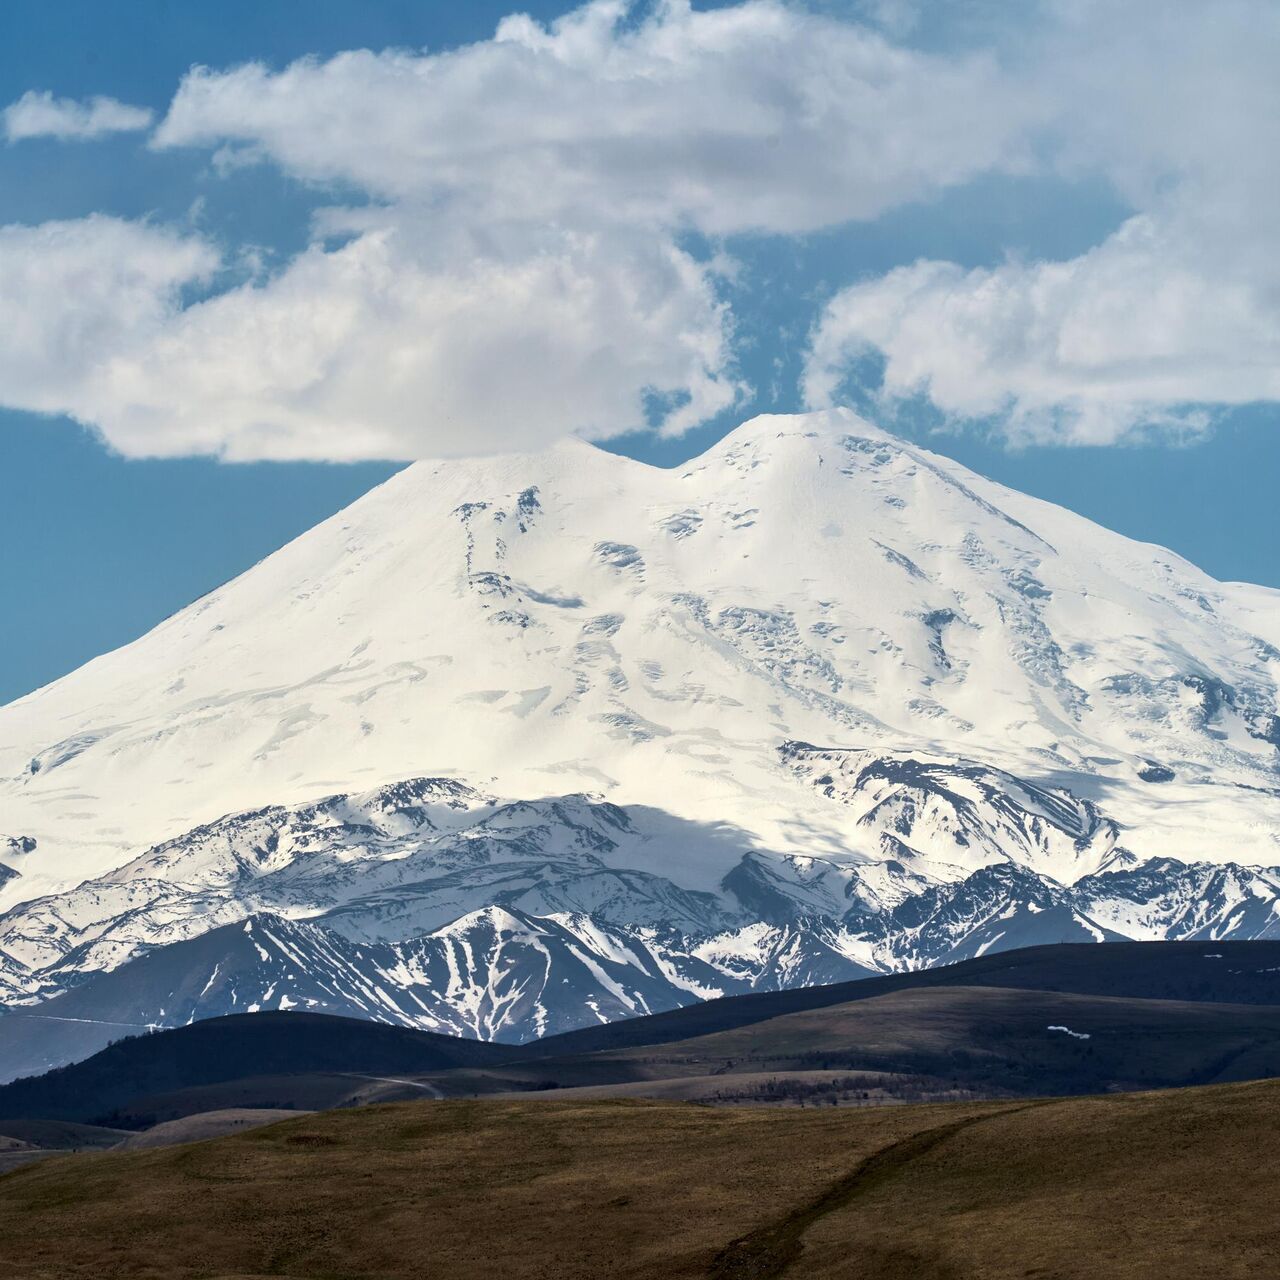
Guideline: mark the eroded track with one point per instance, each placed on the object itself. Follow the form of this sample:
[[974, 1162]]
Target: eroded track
[[769, 1252]]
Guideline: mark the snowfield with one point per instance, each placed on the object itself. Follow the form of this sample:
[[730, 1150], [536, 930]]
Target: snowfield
[[817, 703]]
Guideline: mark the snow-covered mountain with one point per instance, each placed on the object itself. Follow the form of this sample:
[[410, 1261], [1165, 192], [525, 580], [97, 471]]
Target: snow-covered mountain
[[581, 692]]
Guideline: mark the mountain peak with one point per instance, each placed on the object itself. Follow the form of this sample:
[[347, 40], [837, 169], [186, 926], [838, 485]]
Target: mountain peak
[[520, 741], [817, 424], [535, 625], [775, 435]]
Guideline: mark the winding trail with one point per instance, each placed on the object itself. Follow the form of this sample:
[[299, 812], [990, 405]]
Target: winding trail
[[768, 1252]]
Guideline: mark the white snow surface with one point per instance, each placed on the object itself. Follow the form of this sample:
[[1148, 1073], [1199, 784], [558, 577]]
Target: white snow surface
[[577, 622], [521, 743]]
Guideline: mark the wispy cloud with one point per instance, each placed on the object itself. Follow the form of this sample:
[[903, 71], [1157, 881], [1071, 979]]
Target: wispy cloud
[[41, 115], [74, 295]]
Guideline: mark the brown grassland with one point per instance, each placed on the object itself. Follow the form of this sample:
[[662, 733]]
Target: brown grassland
[[1172, 1185]]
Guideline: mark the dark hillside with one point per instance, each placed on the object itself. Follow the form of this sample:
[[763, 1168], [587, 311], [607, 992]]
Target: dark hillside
[[1218, 972], [220, 1049]]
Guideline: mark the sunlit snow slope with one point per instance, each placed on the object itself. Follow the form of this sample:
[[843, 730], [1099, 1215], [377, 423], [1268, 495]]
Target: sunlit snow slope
[[814, 642]]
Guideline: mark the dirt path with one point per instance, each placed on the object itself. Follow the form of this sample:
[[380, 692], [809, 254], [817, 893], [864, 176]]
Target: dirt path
[[412, 1084], [769, 1251]]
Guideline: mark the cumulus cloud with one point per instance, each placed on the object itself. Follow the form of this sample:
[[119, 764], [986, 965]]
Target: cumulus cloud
[[1144, 333], [507, 258], [515, 271], [1174, 315], [754, 117], [40, 115], [379, 349], [74, 294], [383, 348]]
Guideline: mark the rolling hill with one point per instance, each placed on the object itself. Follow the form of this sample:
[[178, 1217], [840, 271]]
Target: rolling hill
[[1138, 1186], [294, 1047], [1044, 1020]]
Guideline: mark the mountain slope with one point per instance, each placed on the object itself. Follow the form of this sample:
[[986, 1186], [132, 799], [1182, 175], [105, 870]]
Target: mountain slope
[[492, 975], [819, 703], [576, 618]]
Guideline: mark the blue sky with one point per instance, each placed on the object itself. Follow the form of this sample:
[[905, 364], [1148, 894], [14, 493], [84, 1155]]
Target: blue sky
[[904, 207]]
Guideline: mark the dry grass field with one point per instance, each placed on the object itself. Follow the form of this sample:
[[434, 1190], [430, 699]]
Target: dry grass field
[[1179, 1184]]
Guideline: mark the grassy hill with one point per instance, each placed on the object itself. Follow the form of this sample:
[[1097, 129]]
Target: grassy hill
[[926, 1043], [1205, 972], [1022, 1042], [1142, 1186], [285, 1048], [1142, 1015]]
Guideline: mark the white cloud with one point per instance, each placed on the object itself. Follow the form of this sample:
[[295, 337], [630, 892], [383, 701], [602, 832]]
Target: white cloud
[[755, 117], [1175, 314], [74, 294], [517, 274], [1140, 334], [380, 349], [387, 347], [508, 269], [41, 115]]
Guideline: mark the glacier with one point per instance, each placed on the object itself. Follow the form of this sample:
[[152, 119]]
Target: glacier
[[816, 704]]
